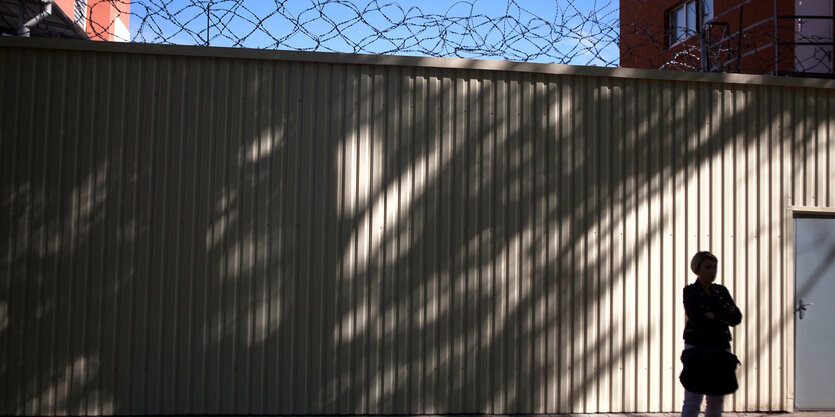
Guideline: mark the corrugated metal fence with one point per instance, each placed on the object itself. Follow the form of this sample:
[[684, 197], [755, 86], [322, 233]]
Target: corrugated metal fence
[[288, 233]]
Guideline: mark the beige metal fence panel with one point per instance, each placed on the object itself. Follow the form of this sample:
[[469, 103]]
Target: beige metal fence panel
[[204, 231]]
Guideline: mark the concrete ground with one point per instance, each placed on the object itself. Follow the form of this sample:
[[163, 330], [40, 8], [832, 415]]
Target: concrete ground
[[754, 414], [757, 414]]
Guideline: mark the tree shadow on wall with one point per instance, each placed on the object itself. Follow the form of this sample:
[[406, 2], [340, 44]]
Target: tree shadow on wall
[[231, 236]]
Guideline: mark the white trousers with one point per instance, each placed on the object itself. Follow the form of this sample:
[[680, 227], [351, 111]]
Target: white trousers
[[693, 404]]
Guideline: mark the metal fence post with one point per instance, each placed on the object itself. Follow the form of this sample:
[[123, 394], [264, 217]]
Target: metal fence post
[[700, 19]]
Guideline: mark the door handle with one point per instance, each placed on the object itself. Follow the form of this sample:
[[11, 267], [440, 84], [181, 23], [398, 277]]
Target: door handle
[[801, 308]]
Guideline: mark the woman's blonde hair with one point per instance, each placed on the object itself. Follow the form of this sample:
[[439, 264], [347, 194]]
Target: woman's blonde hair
[[698, 258]]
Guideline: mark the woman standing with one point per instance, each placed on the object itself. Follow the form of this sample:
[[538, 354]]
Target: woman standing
[[710, 310]]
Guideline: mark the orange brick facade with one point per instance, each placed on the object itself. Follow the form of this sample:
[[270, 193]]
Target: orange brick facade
[[105, 20]]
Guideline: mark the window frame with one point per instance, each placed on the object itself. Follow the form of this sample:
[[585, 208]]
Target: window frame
[[679, 34], [80, 13]]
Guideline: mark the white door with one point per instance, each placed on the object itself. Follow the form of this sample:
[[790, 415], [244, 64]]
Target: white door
[[813, 58], [814, 317]]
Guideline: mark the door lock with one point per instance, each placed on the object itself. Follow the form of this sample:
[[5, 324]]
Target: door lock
[[801, 308]]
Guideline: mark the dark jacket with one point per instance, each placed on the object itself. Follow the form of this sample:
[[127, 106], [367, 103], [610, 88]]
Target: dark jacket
[[704, 332]]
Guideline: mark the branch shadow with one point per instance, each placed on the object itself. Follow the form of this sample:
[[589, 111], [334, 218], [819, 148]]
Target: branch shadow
[[233, 236]]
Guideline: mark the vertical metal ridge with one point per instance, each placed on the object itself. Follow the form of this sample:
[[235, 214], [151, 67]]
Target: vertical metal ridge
[[72, 231], [32, 288], [109, 346], [98, 199], [752, 229], [260, 154], [597, 120], [782, 357], [603, 245], [236, 218], [7, 219], [339, 104], [470, 243], [255, 153], [149, 201], [169, 256], [189, 75], [388, 143], [23, 240], [654, 222], [325, 187], [52, 226], [307, 91], [127, 271], [179, 334], [203, 97], [666, 231], [348, 239], [101, 198], [420, 229], [679, 163], [37, 245], [617, 191], [159, 317], [124, 273], [630, 223]]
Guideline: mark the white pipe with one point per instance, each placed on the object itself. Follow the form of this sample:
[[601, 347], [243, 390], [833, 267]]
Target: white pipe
[[47, 10]]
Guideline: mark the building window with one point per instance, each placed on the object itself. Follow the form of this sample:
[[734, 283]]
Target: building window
[[80, 13], [684, 21]]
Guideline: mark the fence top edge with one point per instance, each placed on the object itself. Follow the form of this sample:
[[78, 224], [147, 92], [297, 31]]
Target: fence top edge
[[412, 61]]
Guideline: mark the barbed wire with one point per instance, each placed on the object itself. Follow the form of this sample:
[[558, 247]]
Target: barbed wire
[[463, 29], [561, 31]]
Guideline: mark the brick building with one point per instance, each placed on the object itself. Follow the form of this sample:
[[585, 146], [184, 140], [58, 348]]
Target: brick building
[[759, 37], [104, 20]]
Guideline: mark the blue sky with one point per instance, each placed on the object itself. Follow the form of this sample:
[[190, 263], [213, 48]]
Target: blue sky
[[580, 32]]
